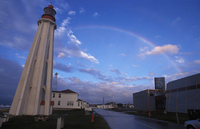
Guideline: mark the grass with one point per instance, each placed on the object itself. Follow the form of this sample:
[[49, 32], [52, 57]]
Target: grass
[[170, 117], [76, 119]]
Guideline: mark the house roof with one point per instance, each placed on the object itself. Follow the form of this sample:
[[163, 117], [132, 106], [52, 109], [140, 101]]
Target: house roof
[[65, 91], [79, 100]]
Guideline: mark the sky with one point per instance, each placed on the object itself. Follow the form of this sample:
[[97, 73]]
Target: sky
[[103, 48]]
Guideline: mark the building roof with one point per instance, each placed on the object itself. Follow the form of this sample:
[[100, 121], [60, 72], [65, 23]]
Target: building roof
[[79, 100], [65, 91]]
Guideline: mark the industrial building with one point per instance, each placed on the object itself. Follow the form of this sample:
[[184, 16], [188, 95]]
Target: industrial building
[[183, 94], [144, 100], [151, 99]]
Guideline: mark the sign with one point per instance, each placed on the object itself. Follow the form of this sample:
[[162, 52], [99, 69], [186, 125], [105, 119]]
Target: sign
[[160, 83]]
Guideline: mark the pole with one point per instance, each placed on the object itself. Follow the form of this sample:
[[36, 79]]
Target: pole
[[103, 102], [92, 118], [148, 102]]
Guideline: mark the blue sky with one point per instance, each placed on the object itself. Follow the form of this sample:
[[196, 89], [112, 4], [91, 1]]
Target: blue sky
[[104, 48]]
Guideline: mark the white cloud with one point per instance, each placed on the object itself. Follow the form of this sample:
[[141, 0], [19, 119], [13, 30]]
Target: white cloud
[[82, 10], [197, 61], [95, 14], [157, 36], [134, 65], [175, 21], [179, 59], [71, 13], [61, 55], [73, 49], [171, 49], [122, 54], [19, 56], [152, 74], [143, 49], [62, 29]]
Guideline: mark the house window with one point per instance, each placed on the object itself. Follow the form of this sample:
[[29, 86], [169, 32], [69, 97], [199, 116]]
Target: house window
[[58, 102], [70, 103], [53, 95], [78, 103], [59, 95]]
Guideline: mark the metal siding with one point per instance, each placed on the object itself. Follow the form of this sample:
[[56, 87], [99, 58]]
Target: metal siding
[[167, 102], [191, 99], [152, 103], [198, 78], [198, 99], [191, 80], [182, 82], [181, 102], [140, 101], [173, 102]]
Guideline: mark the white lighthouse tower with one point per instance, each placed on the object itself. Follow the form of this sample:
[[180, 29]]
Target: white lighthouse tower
[[33, 94]]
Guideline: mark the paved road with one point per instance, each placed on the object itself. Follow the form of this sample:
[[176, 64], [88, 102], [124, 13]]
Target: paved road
[[117, 120]]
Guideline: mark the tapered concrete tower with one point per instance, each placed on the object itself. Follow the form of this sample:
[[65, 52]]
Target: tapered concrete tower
[[33, 94]]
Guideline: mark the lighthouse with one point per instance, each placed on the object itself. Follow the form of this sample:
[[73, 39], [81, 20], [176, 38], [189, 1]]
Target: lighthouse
[[33, 94]]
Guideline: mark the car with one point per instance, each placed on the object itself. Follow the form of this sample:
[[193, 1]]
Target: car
[[192, 124]]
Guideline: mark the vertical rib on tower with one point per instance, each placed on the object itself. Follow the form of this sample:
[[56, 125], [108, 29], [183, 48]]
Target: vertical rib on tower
[[33, 94]]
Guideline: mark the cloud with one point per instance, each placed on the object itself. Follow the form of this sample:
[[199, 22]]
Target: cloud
[[96, 74], [61, 55], [95, 14], [158, 36], [135, 78], [19, 56], [143, 49], [165, 49], [179, 75], [73, 49], [71, 13], [111, 91], [63, 67], [175, 21], [10, 72], [80, 64], [197, 61], [118, 72], [82, 10], [74, 80], [134, 65], [122, 54], [17, 42], [186, 53], [152, 74], [179, 59]]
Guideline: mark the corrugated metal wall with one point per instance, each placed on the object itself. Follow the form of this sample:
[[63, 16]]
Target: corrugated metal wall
[[183, 94], [141, 103]]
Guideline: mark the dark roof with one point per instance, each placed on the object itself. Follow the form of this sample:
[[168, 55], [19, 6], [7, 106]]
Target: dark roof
[[79, 100], [65, 91]]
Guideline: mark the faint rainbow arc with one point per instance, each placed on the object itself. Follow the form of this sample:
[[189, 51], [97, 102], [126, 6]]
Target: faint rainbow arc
[[131, 34]]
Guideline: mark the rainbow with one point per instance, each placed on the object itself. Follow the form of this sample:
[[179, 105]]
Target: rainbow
[[131, 34]]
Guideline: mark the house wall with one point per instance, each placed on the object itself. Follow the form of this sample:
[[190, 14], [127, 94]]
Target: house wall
[[65, 100]]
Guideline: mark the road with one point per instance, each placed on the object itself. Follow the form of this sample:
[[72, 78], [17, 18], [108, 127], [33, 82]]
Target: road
[[117, 120]]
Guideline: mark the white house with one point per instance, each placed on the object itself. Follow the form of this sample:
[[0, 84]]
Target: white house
[[107, 105], [66, 99]]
